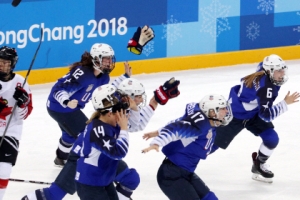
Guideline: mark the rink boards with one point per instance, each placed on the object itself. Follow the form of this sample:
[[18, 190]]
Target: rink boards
[[176, 63]]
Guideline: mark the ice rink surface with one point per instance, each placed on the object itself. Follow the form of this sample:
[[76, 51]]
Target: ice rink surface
[[226, 172]]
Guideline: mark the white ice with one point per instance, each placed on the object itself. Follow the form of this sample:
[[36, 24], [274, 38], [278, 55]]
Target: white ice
[[226, 172]]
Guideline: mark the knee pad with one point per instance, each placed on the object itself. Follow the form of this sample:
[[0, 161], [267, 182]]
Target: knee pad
[[210, 196], [67, 138], [128, 178], [270, 138]]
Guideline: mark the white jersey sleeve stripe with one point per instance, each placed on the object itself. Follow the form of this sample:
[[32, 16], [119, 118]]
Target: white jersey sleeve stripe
[[61, 96], [118, 80], [146, 113]]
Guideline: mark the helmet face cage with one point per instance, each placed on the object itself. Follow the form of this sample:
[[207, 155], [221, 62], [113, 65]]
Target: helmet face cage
[[8, 53], [132, 87], [228, 117], [214, 103], [272, 63], [100, 51], [143, 103], [107, 97]]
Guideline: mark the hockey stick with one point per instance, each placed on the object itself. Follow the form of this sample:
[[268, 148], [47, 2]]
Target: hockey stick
[[31, 64], [29, 181]]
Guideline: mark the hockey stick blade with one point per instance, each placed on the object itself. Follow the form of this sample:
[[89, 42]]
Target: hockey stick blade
[[29, 181], [28, 72]]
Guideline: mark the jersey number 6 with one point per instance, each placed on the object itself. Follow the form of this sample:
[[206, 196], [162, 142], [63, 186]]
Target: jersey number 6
[[269, 93]]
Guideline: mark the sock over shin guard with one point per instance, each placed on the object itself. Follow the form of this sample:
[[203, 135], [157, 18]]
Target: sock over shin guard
[[264, 153]]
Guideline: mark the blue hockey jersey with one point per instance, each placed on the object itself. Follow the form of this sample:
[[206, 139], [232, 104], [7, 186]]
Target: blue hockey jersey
[[188, 139], [102, 146], [79, 84], [247, 102], [259, 67]]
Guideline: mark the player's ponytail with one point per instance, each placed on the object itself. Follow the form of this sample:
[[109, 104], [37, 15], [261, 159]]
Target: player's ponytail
[[249, 80], [86, 61]]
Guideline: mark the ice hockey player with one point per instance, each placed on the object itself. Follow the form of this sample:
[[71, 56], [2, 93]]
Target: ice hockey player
[[253, 108], [12, 92]]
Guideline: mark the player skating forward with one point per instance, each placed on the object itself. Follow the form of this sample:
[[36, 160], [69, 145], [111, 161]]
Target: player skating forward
[[104, 142], [71, 92], [184, 142], [11, 92], [127, 179], [253, 109]]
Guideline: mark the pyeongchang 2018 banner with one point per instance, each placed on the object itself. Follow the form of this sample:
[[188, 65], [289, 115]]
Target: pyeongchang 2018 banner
[[181, 27]]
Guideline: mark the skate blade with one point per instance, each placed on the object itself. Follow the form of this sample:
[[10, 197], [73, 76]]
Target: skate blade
[[59, 166], [258, 177]]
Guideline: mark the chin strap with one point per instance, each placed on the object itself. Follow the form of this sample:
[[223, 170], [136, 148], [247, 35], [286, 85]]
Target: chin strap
[[216, 120]]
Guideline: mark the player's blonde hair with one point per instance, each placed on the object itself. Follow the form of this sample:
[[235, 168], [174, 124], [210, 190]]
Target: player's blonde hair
[[248, 80], [99, 113]]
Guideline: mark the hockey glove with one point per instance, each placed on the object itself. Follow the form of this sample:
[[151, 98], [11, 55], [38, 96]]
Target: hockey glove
[[168, 91], [140, 38], [3, 103], [21, 97]]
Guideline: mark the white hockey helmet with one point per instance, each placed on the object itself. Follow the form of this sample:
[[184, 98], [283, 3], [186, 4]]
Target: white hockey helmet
[[274, 62], [133, 87], [215, 102], [100, 50], [106, 97]]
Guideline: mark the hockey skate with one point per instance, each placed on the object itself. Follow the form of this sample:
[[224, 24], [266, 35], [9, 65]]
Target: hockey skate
[[59, 162], [260, 170]]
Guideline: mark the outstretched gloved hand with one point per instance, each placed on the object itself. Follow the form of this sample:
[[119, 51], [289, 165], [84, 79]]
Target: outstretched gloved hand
[[168, 91], [140, 38]]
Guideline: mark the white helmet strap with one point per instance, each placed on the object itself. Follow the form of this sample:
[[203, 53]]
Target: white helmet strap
[[97, 65]]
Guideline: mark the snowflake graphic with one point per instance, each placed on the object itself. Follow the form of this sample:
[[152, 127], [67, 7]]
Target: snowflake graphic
[[266, 5], [171, 30], [297, 29], [149, 48], [252, 31], [215, 18]]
